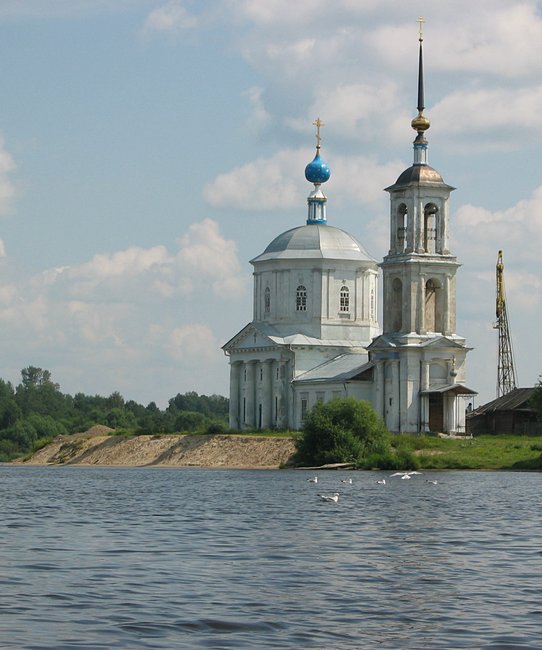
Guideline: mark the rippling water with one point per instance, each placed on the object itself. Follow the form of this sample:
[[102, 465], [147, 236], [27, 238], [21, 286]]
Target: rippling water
[[190, 558]]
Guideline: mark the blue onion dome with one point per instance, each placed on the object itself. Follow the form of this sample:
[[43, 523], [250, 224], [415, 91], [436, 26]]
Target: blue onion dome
[[317, 171]]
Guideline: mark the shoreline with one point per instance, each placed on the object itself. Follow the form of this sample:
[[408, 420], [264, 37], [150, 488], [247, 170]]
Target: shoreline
[[226, 451]]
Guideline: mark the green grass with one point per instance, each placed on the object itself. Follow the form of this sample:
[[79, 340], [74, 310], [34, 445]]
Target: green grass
[[482, 452], [431, 452]]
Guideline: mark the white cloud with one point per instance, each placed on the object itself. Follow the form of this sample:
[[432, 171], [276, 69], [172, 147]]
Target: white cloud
[[278, 182], [480, 232], [204, 261], [195, 341], [259, 115], [171, 17], [353, 111], [206, 257], [106, 314], [264, 184], [511, 115], [7, 190]]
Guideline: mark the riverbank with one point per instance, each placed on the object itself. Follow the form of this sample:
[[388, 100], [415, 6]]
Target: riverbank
[[98, 446], [95, 447]]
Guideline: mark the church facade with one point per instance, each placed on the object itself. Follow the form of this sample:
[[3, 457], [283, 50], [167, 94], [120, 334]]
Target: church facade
[[315, 336]]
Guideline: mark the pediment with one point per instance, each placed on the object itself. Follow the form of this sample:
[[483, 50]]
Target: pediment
[[249, 338], [381, 342], [442, 342], [395, 341]]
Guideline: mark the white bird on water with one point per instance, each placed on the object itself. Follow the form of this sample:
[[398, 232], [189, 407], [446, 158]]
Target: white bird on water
[[405, 475], [381, 481], [330, 497], [347, 480], [430, 481], [313, 480]]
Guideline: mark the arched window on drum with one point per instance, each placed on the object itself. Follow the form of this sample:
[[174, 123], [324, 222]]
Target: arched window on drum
[[301, 298], [344, 300]]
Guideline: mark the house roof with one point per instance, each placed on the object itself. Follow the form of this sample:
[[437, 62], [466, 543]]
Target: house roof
[[341, 368], [516, 400], [270, 337], [457, 389]]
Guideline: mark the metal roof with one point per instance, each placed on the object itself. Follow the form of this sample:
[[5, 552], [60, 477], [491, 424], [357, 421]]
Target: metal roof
[[457, 389], [312, 241], [516, 399], [341, 368], [420, 175]]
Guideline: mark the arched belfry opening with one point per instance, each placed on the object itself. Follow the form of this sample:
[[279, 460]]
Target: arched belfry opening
[[401, 232], [433, 315], [397, 305], [430, 224]]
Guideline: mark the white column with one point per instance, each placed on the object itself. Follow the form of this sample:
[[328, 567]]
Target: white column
[[235, 388], [421, 305], [267, 394], [250, 388], [379, 388], [395, 396], [446, 313], [424, 399]]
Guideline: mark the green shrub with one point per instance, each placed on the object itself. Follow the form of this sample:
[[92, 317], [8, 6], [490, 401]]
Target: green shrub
[[342, 431], [215, 427]]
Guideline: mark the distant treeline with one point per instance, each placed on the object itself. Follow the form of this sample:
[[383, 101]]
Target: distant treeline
[[36, 411]]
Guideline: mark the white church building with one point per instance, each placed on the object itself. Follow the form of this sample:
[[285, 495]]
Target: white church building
[[315, 335]]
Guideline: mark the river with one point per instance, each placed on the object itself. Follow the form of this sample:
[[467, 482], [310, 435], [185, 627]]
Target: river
[[95, 557]]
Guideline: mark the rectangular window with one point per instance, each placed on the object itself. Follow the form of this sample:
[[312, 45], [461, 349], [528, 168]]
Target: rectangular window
[[304, 407], [320, 397]]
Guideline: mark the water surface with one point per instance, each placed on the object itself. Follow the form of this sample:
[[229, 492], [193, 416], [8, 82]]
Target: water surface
[[193, 558]]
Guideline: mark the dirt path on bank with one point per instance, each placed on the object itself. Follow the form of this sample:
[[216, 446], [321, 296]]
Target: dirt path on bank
[[231, 451]]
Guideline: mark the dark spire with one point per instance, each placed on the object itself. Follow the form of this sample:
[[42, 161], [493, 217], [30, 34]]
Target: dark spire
[[420, 106], [420, 123]]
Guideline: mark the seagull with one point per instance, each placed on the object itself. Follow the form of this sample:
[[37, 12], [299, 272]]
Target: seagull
[[405, 475], [381, 481], [429, 481], [330, 497], [347, 480], [313, 480]]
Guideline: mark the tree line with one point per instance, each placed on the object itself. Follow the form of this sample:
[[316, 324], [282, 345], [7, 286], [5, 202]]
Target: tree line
[[36, 411]]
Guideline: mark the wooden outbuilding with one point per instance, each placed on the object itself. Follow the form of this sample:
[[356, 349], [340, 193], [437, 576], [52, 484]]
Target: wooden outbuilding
[[508, 414]]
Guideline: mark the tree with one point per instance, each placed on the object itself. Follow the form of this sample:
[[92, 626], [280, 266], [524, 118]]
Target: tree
[[344, 430], [213, 405], [9, 410], [536, 399], [37, 393], [190, 421]]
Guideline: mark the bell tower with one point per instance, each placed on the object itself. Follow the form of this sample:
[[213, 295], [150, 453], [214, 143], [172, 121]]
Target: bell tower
[[419, 354]]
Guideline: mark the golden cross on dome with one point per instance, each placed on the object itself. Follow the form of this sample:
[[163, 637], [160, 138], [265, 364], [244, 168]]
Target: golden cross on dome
[[421, 21], [318, 124]]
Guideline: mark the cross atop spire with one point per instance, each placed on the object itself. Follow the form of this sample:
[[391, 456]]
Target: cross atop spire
[[318, 124], [421, 21]]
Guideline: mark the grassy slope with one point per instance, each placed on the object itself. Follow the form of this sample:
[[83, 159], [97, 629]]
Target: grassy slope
[[482, 452]]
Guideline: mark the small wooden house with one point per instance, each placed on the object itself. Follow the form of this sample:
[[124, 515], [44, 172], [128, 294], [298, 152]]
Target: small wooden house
[[510, 413]]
